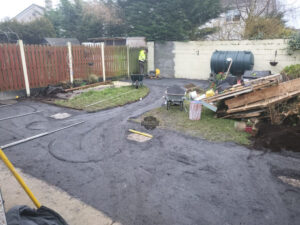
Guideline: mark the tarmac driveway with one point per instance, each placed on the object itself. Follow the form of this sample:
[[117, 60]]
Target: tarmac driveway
[[172, 179]]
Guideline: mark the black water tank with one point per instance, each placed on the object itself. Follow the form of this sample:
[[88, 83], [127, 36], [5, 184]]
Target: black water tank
[[242, 61]]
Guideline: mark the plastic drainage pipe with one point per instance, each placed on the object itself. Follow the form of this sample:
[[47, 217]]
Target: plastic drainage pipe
[[141, 133], [37, 136]]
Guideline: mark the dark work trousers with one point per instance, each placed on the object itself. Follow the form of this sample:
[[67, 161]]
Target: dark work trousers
[[142, 67]]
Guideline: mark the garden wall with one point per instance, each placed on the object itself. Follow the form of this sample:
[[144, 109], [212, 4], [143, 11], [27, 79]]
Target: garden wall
[[192, 59]]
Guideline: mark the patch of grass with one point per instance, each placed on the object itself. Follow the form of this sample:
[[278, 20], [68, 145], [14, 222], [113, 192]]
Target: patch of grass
[[209, 127], [107, 98]]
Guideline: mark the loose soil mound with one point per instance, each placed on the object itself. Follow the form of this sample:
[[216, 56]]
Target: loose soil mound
[[278, 137]]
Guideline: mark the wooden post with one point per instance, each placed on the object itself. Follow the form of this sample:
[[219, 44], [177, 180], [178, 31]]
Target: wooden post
[[20, 42], [128, 62], [70, 61], [103, 61]]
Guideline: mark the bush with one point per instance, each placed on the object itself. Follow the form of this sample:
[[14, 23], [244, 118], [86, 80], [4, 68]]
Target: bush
[[266, 28], [294, 42], [292, 71], [78, 82], [93, 78]]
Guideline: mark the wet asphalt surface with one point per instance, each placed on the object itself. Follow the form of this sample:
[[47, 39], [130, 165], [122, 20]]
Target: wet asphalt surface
[[172, 179]]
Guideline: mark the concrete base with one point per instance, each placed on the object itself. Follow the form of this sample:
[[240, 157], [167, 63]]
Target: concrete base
[[8, 95]]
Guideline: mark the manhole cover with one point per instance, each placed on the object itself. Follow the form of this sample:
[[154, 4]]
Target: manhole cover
[[60, 116], [150, 122], [138, 138]]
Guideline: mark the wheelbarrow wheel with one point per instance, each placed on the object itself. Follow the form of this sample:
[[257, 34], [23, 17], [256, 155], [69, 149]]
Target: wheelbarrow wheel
[[181, 106], [168, 105], [136, 84]]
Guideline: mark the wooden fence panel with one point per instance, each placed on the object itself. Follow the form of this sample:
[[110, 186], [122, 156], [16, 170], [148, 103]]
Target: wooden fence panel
[[49, 65], [134, 61], [46, 65], [115, 60], [11, 72], [86, 61]]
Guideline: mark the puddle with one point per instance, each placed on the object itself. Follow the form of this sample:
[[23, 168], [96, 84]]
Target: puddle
[[138, 138], [150, 122], [60, 116]]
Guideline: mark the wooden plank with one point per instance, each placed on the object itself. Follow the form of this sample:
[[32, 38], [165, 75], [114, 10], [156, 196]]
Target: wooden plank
[[2, 77], [12, 74], [5, 85], [255, 84], [209, 106], [266, 93], [244, 114], [57, 75], [43, 65], [88, 86], [18, 84], [265, 103], [38, 65]]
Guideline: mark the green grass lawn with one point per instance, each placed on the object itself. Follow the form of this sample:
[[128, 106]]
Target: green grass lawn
[[106, 98], [209, 127]]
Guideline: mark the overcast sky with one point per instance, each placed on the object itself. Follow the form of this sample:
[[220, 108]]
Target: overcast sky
[[10, 8]]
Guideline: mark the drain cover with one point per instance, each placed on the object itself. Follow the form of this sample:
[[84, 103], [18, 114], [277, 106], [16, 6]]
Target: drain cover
[[60, 116]]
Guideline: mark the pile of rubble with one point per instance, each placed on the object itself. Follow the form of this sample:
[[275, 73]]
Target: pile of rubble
[[268, 97]]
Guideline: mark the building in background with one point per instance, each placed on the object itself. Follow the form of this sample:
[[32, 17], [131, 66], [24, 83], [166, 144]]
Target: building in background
[[133, 42], [30, 14], [60, 41], [230, 25]]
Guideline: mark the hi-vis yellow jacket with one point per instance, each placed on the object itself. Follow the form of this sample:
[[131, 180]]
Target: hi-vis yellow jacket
[[142, 56]]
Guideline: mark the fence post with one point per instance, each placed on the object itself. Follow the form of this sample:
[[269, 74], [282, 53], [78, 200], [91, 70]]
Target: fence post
[[103, 61], [70, 61], [128, 62], [20, 42]]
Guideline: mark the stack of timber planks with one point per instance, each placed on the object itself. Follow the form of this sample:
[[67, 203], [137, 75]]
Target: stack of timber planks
[[254, 98]]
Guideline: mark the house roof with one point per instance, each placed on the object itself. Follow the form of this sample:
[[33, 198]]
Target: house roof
[[29, 8], [113, 38], [61, 41]]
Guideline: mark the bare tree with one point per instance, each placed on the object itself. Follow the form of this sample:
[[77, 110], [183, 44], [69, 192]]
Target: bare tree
[[255, 8]]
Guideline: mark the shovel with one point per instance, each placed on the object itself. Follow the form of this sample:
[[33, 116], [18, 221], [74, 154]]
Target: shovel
[[25, 215]]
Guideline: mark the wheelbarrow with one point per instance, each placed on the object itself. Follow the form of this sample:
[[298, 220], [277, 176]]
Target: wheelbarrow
[[175, 96], [137, 80]]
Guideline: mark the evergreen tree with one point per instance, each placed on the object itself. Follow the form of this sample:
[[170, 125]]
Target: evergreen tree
[[172, 20], [31, 33]]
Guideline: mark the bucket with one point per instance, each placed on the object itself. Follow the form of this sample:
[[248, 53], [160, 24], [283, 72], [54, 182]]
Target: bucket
[[195, 110]]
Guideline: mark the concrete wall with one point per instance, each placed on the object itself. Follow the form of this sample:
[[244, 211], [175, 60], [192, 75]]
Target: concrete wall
[[164, 58], [150, 56], [192, 59]]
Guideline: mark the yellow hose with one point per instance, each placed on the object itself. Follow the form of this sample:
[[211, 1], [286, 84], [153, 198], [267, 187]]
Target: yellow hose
[[141, 133], [19, 178]]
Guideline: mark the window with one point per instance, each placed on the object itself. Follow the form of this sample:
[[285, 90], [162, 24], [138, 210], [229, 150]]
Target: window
[[233, 15]]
